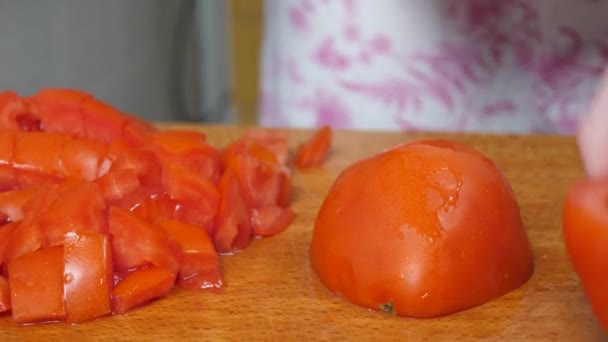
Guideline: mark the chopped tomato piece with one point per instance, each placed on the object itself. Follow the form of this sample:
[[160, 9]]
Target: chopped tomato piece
[[8, 178], [33, 179], [12, 203], [36, 286], [268, 221], [116, 184], [58, 110], [144, 163], [80, 207], [137, 243], [140, 287], [232, 223], [274, 141], [249, 148], [40, 152], [198, 198], [313, 152], [88, 277], [11, 108], [22, 240], [84, 159], [148, 203], [199, 265], [5, 295], [7, 147]]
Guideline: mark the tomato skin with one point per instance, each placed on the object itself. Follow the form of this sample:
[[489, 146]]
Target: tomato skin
[[313, 152], [141, 286], [88, 275], [423, 230], [585, 232], [36, 286]]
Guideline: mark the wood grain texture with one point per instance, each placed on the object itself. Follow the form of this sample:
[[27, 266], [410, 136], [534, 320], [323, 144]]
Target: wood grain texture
[[272, 293]]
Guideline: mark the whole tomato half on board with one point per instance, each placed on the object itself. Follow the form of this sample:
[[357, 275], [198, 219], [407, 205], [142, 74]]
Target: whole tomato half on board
[[424, 229], [585, 231]]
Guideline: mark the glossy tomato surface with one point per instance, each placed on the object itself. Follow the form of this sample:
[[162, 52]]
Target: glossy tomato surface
[[585, 230], [424, 229]]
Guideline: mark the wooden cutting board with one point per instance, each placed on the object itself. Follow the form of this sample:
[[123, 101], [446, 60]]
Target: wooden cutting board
[[272, 293]]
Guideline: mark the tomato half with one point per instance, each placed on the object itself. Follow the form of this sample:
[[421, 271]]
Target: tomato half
[[585, 231], [421, 230]]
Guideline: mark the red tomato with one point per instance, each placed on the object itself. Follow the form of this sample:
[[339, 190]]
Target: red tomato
[[249, 148], [29, 155], [197, 197], [313, 152], [144, 163], [78, 208], [585, 231], [6, 231], [36, 286], [5, 295], [22, 240], [13, 112], [12, 203], [141, 286], [189, 149], [274, 141], [268, 221], [232, 223], [115, 185], [88, 277], [421, 230], [137, 243], [57, 110], [199, 262], [83, 159], [148, 203]]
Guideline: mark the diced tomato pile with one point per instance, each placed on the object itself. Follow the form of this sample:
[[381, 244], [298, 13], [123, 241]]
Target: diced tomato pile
[[102, 212]]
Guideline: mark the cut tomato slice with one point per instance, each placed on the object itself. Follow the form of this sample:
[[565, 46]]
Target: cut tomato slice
[[79, 207], [268, 221], [199, 265], [197, 197], [140, 287], [232, 224], [313, 152], [12, 203], [137, 243], [36, 286], [117, 184], [88, 275]]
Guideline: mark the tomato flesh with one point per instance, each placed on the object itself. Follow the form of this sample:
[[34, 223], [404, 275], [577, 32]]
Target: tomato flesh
[[36, 286], [88, 275], [101, 212], [141, 286]]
